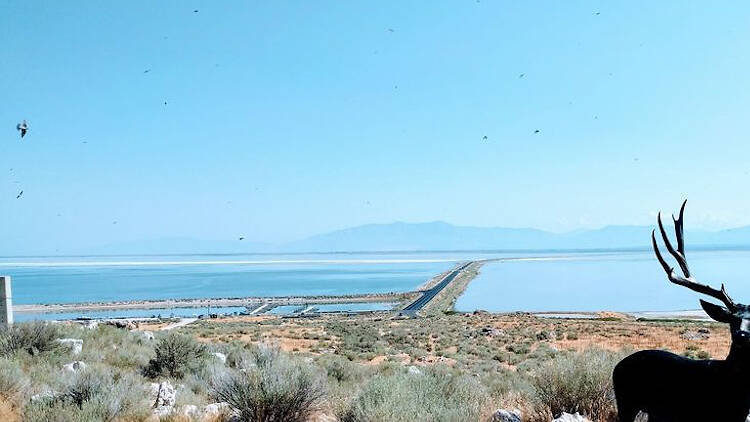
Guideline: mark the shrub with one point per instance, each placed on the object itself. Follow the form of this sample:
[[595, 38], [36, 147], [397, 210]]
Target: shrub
[[31, 337], [434, 396], [239, 358], [580, 382], [276, 389], [13, 381], [92, 395], [176, 354], [340, 369]]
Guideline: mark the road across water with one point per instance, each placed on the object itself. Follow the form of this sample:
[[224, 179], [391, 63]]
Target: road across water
[[430, 294]]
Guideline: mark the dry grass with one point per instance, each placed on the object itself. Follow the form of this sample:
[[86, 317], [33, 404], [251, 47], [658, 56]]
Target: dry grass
[[460, 338], [9, 412]]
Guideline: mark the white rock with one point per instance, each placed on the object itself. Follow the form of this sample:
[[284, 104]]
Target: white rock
[[413, 370], [162, 411], [46, 395], [90, 325], [502, 415], [75, 344], [190, 410], [567, 417], [214, 409], [221, 356], [74, 366], [163, 395]]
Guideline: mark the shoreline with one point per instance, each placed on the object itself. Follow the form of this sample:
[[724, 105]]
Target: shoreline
[[213, 302]]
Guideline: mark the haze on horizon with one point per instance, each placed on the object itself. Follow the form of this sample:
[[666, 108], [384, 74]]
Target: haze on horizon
[[283, 120]]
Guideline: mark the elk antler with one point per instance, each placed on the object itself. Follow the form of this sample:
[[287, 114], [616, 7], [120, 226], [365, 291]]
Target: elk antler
[[679, 255]]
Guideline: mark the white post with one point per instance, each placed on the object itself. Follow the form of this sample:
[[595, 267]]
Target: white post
[[6, 303]]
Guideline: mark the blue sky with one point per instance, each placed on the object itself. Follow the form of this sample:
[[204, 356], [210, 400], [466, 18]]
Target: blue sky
[[286, 119]]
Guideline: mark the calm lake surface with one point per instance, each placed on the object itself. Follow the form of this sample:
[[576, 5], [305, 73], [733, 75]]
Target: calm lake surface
[[195, 312], [86, 279], [620, 281], [623, 281]]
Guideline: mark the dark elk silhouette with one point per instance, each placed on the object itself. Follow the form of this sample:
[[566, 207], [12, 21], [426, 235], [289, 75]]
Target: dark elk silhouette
[[672, 388]]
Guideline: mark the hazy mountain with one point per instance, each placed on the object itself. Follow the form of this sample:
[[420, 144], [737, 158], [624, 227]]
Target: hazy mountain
[[434, 236], [444, 236]]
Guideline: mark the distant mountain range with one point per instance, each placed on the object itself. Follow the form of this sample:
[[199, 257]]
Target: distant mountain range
[[438, 236], [444, 236]]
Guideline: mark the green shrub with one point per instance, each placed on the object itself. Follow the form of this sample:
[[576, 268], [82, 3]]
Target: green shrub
[[579, 382], [437, 395], [92, 395], [238, 357], [340, 369], [176, 354], [13, 382], [276, 389], [30, 337]]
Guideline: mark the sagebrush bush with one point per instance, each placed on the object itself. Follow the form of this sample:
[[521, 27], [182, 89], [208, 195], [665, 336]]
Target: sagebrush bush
[[239, 357], [13, 382], [93, 394], [578, 382], [30, 337], [340, 368], [437, 395], [276, 388], [176, 355]]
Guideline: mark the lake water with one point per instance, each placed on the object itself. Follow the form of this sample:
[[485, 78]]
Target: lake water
[[86, 279], [195, 312], [620, 281], [623, 281], [129, 313]]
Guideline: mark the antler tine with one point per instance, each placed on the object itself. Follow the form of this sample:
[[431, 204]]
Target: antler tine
[[662, 261], [678, 229], [679, 256], [687, 280]]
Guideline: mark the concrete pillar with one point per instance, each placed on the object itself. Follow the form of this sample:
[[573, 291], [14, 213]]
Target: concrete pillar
[[6, 303]]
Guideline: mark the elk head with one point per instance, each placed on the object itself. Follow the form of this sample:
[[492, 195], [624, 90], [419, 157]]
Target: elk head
[[732, 313]]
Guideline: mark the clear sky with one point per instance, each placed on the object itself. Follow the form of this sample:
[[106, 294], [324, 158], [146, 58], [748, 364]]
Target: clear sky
[[278, 120]]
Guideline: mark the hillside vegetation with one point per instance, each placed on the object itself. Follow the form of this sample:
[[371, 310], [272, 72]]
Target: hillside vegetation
[[448, 367]]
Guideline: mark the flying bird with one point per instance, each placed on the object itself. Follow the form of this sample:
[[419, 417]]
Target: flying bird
[[521, 75], [19, 195], [485, 137], [147, 70], [537, 131], [195, 11], [22, 127], [242, 238], [391, 30]]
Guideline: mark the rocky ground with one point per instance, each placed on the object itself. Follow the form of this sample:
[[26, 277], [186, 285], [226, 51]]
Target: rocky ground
[[378, 367]]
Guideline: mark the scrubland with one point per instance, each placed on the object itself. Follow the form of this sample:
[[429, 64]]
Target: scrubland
[[443, 367]]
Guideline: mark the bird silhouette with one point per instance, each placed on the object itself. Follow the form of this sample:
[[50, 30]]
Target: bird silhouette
[[22, 127], [19, 195], [242, 238], [485, 137], [521, 75], [537, 131]]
